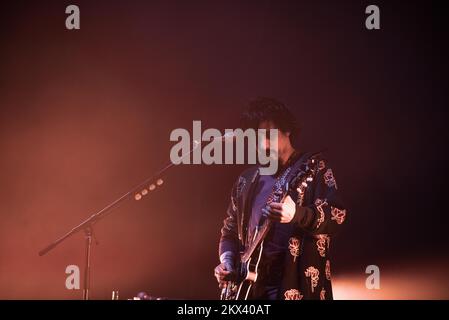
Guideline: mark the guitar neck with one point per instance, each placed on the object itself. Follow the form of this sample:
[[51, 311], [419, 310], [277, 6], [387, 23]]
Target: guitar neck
[[260, 236]]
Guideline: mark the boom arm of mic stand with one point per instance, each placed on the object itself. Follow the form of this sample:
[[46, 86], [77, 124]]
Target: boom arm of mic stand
[[91, 220], [103, 212]]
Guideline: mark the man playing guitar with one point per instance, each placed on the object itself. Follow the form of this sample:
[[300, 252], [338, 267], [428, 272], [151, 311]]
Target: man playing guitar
[[294, 263]]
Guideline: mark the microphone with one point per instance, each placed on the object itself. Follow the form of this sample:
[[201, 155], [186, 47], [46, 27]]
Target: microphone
[[229, 136], [226, 137]]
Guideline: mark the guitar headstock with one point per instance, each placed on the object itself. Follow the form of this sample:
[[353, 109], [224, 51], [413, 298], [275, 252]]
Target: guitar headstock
[[304, 176]]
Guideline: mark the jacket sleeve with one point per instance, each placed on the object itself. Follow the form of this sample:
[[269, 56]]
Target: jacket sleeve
[[324, 212], [229, 241]]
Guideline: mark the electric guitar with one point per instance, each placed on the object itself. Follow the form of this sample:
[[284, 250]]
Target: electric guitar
[[296, 177]]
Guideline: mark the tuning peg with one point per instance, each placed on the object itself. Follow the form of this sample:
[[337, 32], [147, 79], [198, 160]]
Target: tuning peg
[[152, 187], [159, 182], [137, 196]]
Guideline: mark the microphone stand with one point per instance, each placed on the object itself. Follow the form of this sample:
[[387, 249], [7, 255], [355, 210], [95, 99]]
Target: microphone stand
[[87, 225]]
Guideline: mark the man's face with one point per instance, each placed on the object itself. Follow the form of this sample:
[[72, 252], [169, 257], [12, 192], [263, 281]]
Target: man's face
[[283, 137]]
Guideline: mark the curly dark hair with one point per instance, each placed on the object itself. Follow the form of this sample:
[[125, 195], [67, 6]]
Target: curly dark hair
[[269, 109]]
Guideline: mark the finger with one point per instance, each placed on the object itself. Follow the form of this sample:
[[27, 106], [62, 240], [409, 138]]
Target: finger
[[219, 274], [276, 211], [286, 219], [221, 278], [222, 283], [276, 205], [274, 216], [222, 275], [229, 277]]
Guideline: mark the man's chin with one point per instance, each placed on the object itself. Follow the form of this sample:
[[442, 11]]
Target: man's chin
[[271, 154]]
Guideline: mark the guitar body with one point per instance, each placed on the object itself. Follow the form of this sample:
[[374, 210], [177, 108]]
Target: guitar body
[[246, 277], [250, 271]]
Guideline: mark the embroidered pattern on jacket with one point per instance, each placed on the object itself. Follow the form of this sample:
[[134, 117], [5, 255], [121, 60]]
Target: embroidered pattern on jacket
[[329, 179], [319, 203], [314, 275], [323, 240], [328, 270], [294, 247], [323, 294], [293, 294], [338, 215]]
